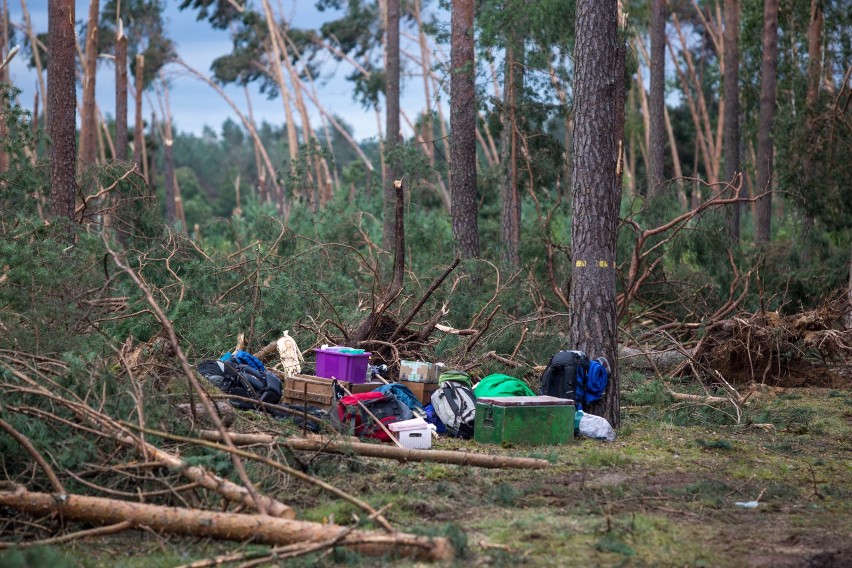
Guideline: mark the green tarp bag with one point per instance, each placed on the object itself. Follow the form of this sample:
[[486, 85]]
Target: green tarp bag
[[456, 376], [498, 385]]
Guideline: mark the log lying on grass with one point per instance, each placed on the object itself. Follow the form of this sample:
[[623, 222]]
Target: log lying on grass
[[260, 529], [404, 454], [388, 452], [651, 360]]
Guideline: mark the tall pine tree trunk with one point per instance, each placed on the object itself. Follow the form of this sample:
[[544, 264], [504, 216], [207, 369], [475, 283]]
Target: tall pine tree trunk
[[391, 124], [139, 123], [4, 78], [598, 78], [765, 147], [510, 219], [121, 95], [89, 123], [62, 107], [657, 98], [152, 160], [463, 130], [814, 52], [731, 137]]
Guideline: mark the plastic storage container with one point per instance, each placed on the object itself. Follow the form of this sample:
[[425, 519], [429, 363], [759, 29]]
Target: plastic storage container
[[413, 434], [343, 363], [532, 420]]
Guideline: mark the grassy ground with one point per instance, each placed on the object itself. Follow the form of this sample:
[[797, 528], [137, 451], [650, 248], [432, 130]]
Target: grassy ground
[[664, 494]]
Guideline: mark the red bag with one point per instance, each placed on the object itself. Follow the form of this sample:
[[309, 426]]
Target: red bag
[[386, 407]]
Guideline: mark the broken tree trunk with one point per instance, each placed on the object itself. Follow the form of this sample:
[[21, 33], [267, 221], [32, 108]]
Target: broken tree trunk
[[227, 526], [388, 452]]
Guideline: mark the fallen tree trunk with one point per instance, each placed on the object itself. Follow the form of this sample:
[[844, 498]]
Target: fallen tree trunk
[[380, 451], [404, 454], [388, 452], [661, 361], [261, 529], [225, 410]]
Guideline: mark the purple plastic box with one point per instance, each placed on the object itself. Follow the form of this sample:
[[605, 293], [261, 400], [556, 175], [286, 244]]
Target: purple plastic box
[[349, 367]]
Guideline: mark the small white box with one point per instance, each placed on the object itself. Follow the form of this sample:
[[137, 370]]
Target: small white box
[[414, 434]]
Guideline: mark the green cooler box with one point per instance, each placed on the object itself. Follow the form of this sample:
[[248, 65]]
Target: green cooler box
[[532, 420]]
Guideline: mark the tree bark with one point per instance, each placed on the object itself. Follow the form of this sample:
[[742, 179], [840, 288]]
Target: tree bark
[[657, 98], [89, 123], [139, 127], [4, 78], [391, 123], [510, 218], [731, 138], [152, 157], [121, 95], [849, 298], [814, 52], [595, 200], [240, 527], [463, 131], [62, 103], [765, 147]]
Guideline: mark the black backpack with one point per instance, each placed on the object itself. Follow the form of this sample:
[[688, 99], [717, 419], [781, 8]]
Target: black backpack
[[243, 381], [560, 377]]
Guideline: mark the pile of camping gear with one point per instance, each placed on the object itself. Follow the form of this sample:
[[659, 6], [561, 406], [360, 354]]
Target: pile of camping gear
[[428, 400]]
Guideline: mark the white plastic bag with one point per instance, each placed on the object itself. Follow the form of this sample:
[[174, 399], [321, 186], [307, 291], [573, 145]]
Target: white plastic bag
[[596, 427]]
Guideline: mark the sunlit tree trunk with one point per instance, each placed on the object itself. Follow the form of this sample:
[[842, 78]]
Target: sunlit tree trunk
[[731, 139], [657, 97], [62, 103], [510, 219], [598, 77], [765, 146], [89, 123], [391, 123], [463, 130]]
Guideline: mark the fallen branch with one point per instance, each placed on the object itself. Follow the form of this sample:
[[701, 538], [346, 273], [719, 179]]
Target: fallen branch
[[25, 442], [272, 463], [226, 526], [97, 531], [192, 382], [381, 451], [425, 297], [404, 454], [108, 427], [697, 397]]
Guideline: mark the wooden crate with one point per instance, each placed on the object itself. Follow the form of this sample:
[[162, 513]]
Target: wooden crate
[[423, 391], [319, 392]]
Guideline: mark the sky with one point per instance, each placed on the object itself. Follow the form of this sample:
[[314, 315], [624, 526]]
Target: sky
[[193, 103]]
